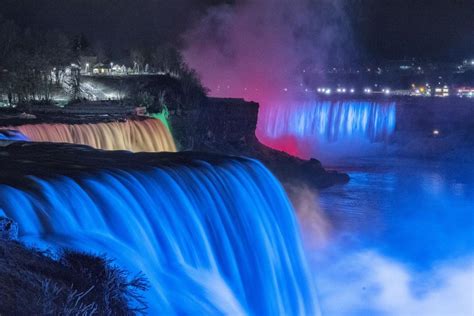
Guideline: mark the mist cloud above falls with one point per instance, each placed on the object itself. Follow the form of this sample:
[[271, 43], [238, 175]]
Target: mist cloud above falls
[[260, 49]]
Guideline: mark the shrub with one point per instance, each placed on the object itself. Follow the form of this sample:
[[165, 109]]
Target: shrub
[[33, 283]]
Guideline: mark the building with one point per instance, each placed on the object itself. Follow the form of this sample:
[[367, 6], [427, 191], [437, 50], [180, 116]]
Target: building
[[465, 92], [87, 63], [101, 69]]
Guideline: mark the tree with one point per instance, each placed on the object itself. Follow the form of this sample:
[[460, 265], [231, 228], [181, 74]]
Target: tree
[[138, 60], [75, 83], [167, 59], [8, 39], [32, 62], [193, 92], [81, 45], [146, 99]]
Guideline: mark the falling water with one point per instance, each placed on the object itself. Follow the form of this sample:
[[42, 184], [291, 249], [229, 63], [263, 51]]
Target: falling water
[[213, 235], [138, 136], [310, 128], [6, 134]]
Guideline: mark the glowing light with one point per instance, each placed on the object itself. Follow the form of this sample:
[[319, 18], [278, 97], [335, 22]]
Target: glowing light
[[6, 134], [325, 122], [137, 136], [436, 132], [196, 229]]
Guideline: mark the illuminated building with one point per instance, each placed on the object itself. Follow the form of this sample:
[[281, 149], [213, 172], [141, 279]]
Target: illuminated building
[[465, 92], [442, 91]]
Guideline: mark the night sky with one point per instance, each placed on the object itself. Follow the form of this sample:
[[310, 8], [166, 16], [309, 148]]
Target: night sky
[[381, 29]]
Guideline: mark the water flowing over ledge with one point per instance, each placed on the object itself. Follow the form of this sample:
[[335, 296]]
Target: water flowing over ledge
[[134, 135], [312, 128], [213, 235]]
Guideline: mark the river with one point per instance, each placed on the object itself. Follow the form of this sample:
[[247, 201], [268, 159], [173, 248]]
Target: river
[[400, 239]]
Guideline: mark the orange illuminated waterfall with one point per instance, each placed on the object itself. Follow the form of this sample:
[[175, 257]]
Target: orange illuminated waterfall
[[137, 136]]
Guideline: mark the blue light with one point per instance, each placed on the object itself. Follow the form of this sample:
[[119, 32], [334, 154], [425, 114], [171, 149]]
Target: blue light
[[216, 238], [327, 121], [12, 135]]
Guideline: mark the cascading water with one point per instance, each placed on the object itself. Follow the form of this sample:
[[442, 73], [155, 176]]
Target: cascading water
[[6, 134], [213, 235], [138, 136], [310, 129]]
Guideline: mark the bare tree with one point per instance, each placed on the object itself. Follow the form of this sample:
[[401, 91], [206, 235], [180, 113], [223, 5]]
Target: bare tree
[[75, 83], [138, 60], [167, 59]]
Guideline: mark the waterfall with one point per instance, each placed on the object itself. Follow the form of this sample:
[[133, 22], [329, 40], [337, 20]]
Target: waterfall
[[326, 125], [6, 134], [213, 235], [138, 136]]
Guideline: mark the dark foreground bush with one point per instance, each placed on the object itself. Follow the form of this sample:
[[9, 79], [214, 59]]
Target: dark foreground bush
[[32, 283]]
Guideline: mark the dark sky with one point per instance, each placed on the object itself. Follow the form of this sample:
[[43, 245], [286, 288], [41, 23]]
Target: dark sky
[[435, 29], [382, 29]]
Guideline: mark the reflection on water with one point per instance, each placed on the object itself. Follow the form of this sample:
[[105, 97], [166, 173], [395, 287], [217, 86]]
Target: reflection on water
[[403, 231], [419, 211]]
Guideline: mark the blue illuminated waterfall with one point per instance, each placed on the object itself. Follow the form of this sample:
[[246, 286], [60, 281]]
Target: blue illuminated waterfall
[[213, 235], [6, 134], [325, 125], [332, 121]]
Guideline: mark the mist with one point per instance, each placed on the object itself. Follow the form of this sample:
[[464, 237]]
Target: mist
[[262, 50]]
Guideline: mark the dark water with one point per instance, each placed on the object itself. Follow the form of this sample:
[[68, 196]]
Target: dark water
[[401, 239]]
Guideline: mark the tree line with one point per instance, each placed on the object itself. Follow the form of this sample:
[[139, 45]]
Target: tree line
[[32, 63], [36, 64]]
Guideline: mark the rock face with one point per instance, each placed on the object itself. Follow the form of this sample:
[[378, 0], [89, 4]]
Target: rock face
[[227, 126], [8, 229], [223, 126]]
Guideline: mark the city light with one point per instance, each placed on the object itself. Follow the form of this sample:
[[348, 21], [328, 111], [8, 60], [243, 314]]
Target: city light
[[435, 132], [339, 90]]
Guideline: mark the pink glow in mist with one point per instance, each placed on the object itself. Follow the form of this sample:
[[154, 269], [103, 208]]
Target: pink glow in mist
[[260, 50]]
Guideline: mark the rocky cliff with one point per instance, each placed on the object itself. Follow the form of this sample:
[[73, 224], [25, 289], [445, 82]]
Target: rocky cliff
[[227, 126]]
